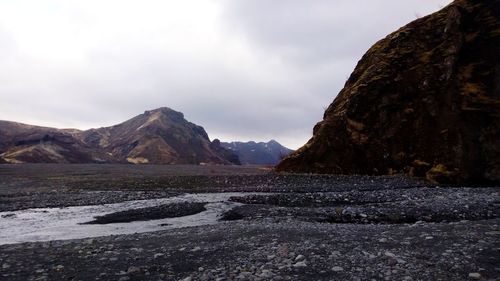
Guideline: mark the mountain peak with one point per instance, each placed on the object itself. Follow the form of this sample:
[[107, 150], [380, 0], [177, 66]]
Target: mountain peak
[[260, 153], [272, 141], [166, 111]]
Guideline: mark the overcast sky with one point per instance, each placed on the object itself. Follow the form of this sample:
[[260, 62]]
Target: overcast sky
[[242, 69]]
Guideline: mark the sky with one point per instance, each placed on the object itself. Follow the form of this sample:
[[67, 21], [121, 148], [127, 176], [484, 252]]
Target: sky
[[242, 69]]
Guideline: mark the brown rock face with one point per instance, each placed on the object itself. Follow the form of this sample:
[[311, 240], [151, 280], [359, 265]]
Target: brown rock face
[[424, 101], [160, 136], [21, 143]]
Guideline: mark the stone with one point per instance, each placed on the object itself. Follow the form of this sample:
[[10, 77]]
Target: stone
[[337, 268], [299, 258], [389, 254], [300, 264], [133, 269], [265, 274], [196, 249], [474, 275], [158, 255]]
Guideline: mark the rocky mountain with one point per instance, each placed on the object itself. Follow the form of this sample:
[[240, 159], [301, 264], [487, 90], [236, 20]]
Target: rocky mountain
[[160, 136], [21, 143], [424, 101], [261, 153]]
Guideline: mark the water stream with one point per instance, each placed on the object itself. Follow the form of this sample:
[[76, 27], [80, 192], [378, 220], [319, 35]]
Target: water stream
[[46, 224]]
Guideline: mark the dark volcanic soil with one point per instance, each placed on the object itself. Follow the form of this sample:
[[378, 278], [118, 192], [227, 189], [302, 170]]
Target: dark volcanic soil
[[310, 227]]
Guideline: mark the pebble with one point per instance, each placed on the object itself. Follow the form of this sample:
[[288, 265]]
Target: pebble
[[474, 275], [300, 258], [337, 268], [389, 254], [300, 264], [158, 255], [133, 269], [266, 274]]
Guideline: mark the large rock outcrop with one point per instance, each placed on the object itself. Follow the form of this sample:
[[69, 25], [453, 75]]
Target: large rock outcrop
[[424, 101], [160, 136]]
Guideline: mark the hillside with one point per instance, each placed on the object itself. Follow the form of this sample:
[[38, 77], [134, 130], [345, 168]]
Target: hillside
[[160, 136], [424, 101]]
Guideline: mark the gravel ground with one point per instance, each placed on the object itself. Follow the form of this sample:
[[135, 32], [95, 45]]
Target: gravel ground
[[408, 205], [48, 185], [266, 250], [310, 227]]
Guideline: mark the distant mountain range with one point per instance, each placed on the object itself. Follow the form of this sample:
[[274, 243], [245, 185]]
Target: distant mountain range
[[160, 136], [261, 153]]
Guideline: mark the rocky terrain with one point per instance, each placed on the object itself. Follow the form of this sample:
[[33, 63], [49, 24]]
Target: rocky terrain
[[424, 101], [160, 136], [298, 227], [258, 153], [151, 213]]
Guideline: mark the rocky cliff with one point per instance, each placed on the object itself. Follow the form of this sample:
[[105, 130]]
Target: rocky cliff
[[424, 101]]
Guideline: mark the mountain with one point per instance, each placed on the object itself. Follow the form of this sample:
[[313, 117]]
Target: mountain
[[261, 153], [21, 143], [424, 101], [160, 136]]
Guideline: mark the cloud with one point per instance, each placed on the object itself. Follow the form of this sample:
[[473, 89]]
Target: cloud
[[245, 70]]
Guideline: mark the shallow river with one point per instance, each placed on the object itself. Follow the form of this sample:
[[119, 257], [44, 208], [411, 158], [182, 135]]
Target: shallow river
[[45, 224]]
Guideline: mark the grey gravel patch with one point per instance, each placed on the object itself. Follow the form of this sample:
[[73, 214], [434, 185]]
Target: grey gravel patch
[[240, 249], [303, 227]]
